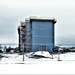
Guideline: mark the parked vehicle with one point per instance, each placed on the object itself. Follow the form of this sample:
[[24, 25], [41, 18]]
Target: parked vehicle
[[72, 50]]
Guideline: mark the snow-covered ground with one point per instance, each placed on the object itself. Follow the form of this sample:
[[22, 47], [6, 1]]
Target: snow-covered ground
[[13, 58], [51, 67], [16, 58], [14, 64]]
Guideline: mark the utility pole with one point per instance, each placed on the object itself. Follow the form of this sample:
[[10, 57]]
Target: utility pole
[[23, 52], [59, 54]]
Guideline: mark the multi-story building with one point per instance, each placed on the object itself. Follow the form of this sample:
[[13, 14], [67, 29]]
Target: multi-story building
[[37, 34]]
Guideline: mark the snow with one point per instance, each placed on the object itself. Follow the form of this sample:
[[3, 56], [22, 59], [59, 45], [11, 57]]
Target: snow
[[14, 64], [19, 58], [43, 53], [52, 67]]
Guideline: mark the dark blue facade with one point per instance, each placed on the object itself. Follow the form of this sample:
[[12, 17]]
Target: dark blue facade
[[42, 35]]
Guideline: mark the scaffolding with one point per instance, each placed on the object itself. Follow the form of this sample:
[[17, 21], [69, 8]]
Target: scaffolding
[[25, 35]]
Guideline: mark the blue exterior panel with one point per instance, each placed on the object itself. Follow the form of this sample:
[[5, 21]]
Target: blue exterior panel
[[42, 35]]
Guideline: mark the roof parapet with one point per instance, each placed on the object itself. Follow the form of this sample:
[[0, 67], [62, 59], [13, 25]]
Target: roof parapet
[[43, 18]]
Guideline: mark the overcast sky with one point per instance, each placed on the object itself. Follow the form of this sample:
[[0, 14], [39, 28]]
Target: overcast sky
[[14, 11]]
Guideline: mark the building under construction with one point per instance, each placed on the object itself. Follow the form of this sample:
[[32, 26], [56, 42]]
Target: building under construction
[[37, 33]]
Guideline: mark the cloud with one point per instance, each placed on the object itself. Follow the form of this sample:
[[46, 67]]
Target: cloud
[[14, 11]]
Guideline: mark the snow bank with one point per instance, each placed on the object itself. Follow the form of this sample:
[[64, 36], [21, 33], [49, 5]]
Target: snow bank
[[39, 54], [43, 53]]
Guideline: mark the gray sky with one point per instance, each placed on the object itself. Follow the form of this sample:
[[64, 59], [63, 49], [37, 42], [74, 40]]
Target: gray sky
[[14, 11]]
